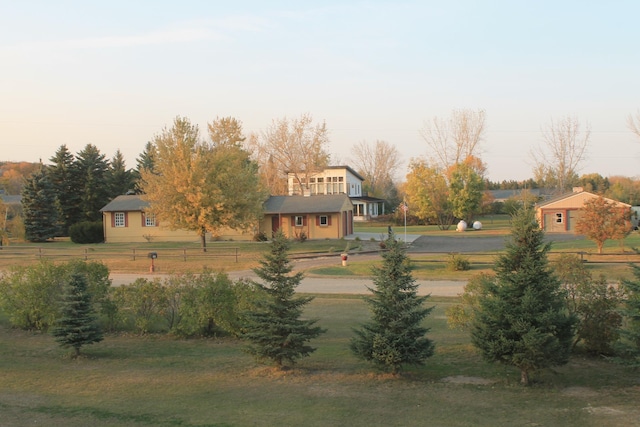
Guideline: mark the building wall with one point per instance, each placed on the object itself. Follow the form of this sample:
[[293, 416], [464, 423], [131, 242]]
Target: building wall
[[135, 231], [310, 226]]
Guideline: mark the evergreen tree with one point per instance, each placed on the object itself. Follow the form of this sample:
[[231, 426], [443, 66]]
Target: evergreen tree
[[64, 176], [146, 161], [395, 336], [522, 318], [77, 326], [275, 329], [121, 180], [39, 208], [93, 170], [631, 314]]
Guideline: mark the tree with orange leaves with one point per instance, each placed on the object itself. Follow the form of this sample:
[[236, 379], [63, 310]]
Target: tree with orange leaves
[[602, 220]]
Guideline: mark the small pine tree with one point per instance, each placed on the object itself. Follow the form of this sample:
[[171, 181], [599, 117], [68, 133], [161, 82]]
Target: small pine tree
[[274, 329], [395, 336], [521, 318], [77, 326], [39, 207]]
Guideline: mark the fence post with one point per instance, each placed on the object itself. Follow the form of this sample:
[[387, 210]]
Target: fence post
[[39, 252], [184, 254], [134, 253], [236, 255], [86, 254]]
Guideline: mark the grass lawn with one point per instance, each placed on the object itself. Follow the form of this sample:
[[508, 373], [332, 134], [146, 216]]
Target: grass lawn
[[158, 381]]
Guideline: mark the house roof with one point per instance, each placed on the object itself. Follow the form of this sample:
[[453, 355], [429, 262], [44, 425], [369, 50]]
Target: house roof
[[356, 174], [274, 205], [506, 194], [575, 199], [126, 204], [11, 199], [306, 204]]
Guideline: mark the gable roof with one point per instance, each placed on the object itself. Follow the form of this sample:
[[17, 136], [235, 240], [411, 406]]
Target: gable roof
[[126, 204], [575, 199], [306, 204]]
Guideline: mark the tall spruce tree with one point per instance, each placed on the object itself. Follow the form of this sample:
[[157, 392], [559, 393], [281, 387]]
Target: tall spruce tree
[[120, 179], [93, 170], [275, 330], [522, 319], [395, 336], [145, 161], [77, 325], [39, 208], [64, 177]]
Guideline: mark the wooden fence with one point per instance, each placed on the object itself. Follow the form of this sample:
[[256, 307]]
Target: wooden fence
[[8, 253]]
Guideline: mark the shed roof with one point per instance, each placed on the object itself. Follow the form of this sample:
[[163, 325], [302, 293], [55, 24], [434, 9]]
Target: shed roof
[[126, 203], [575, 199]]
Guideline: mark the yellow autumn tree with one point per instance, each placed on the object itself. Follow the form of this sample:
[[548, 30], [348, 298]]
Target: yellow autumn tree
[[203, 186]]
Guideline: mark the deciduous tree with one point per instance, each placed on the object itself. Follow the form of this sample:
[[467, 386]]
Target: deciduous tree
[[296, 146], [521, 319], [377, 163], [201, 187], [466, 189], [563, 149], [454, 139], [274, 329], [634, 123], [602, 220], [395, 336], [427, 194]]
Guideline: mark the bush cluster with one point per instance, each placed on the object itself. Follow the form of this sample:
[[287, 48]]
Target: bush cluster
[[87, 232], [185, 305]]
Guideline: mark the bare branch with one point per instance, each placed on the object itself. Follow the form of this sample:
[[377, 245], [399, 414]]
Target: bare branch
[[454, 139]]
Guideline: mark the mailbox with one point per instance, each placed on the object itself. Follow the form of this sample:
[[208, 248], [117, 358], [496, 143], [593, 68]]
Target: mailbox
[[153, 255]]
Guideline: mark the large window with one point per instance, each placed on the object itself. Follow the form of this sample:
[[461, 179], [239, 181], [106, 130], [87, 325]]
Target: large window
[[299, 221], [324, 221], [119, 219]]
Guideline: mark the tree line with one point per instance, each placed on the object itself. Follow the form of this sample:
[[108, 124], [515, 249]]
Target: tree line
[[445, 185]]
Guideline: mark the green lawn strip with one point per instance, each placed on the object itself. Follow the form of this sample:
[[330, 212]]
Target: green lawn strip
[[156, 380]]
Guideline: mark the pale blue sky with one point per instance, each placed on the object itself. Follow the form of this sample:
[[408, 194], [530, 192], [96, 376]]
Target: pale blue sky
[[115, 73]]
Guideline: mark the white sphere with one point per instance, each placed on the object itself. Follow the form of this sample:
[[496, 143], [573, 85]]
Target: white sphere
[[462, 226], [477, 225]]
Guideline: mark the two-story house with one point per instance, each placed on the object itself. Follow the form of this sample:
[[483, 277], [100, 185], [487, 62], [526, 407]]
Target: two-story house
[[338, 180]]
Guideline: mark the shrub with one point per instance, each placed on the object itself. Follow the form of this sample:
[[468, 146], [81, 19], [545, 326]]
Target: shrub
[[260, 236], [87, 232], [457, 262], [31, 295], [301, 236]]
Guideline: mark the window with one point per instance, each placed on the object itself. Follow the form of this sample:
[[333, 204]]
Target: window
[[559, 218], [299, 221], [149, 220], [119, 219], [324, 221]]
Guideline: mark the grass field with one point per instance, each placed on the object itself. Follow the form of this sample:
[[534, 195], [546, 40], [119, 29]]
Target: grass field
[[154, 380], [159, 381]]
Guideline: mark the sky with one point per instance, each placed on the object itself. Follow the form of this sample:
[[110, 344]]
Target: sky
[[115, 73]]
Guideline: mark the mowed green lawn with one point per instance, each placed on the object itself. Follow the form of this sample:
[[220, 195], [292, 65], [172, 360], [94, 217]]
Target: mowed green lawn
[[158, 381]]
